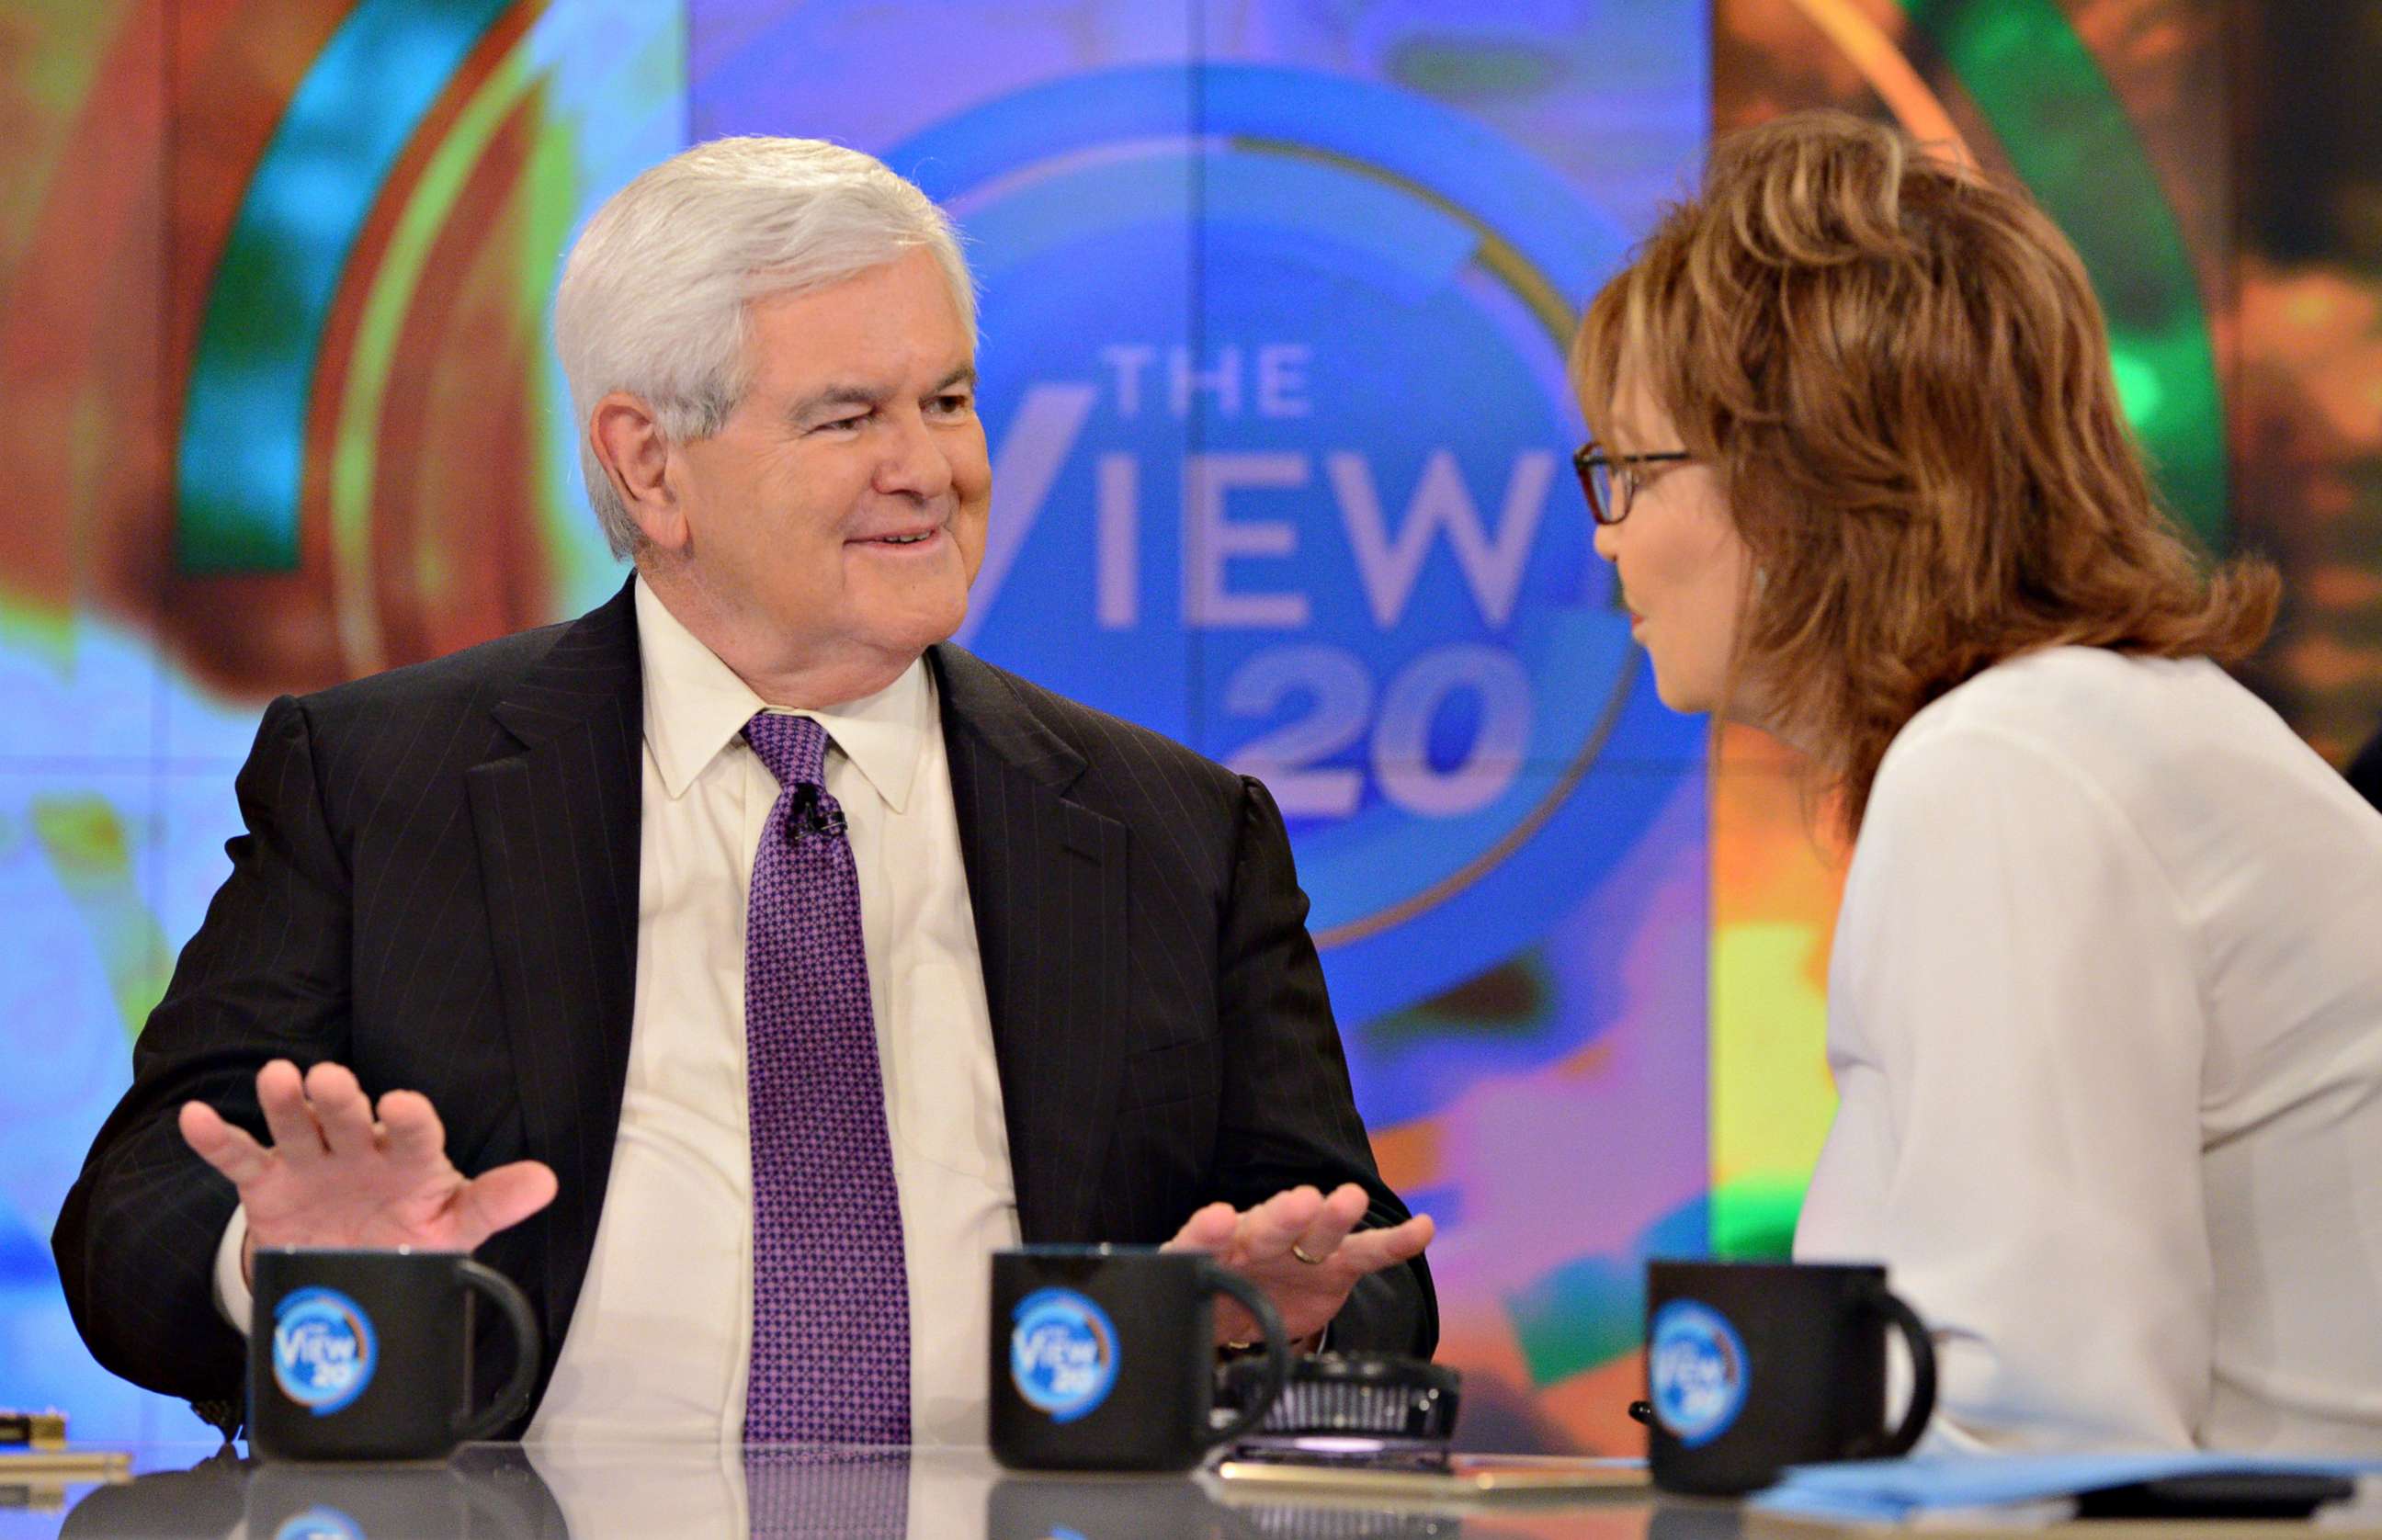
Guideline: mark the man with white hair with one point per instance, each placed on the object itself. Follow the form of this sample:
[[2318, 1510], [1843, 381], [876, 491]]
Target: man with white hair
[[743, 963]]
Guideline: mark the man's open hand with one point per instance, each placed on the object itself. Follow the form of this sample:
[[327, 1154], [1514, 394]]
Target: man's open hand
[[1307, 1290], [337, 1174]]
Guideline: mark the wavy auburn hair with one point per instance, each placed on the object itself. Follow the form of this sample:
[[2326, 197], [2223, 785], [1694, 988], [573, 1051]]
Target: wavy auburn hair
[[1900, 375]]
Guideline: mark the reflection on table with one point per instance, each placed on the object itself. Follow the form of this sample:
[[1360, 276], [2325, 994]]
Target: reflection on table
[[507, 1492]]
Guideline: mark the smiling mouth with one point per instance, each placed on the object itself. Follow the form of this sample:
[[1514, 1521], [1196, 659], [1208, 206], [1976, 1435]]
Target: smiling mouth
[[914, 537]]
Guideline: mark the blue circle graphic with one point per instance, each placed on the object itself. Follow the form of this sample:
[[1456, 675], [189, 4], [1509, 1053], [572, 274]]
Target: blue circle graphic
[[1274, 379], [323, 1349], [1696, 1372], [1063, 1353]]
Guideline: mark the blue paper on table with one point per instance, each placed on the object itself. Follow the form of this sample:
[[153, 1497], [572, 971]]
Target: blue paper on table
[[1894, 1489]]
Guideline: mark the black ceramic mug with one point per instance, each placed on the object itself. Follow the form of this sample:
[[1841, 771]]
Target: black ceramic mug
[[365, 1354], [1103, 1508], [1104, 1358], [1751, 1367], [488, 1493]]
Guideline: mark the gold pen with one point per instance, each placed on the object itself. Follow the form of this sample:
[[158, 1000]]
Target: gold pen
[[49, 1465]]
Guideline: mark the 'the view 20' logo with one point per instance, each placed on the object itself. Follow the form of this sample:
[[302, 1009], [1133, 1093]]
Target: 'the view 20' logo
[[1696, 1372], [323, 1353], [1063, 1353], [1280, 422]]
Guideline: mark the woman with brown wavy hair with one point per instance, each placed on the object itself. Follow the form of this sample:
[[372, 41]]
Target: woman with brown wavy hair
[[2106, 1000]]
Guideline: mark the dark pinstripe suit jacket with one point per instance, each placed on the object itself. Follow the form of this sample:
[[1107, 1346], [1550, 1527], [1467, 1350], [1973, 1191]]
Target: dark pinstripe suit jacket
[[439, 888]]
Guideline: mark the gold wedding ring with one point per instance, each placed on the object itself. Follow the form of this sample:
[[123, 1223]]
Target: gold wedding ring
[[1298, 1252]]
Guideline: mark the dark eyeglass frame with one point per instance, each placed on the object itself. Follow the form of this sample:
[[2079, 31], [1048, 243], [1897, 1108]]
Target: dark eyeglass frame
[[1621, 471]]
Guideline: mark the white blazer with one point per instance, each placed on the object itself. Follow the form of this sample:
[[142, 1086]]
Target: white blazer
[[2105, 1018]]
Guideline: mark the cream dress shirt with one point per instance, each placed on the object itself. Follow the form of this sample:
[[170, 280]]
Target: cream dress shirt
[[2105, 1018], [658, 1345]]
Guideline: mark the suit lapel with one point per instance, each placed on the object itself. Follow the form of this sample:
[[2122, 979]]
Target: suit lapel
[[1048, 879], [555, 819]]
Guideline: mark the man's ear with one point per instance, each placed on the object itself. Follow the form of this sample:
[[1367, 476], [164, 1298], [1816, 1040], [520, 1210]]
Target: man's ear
[[635, 454]]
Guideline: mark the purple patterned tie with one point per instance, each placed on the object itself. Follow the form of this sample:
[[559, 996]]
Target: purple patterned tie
[[830, 1295]]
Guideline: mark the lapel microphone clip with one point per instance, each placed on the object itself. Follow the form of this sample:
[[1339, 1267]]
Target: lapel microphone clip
[[806, 815]]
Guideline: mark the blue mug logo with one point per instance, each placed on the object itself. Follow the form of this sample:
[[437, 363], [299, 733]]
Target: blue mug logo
[[1063, 1353], [1696, 1372], [324, 1352], [320, 1524]]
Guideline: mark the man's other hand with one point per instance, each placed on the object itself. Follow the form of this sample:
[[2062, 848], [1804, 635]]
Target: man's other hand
[[341, 1172], [1265, 1245]]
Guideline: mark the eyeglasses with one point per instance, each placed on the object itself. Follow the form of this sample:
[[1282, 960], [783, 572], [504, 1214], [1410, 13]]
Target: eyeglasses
[[1610, 481]]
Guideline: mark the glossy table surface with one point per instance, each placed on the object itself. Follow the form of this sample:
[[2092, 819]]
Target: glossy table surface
[[509, 1491], [502, 1491]]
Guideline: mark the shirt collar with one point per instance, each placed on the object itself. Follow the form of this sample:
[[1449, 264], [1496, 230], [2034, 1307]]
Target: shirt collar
[[697, 707]]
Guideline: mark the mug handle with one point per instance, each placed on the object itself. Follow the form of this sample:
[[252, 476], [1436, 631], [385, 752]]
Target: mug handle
[[1277, 1347], [498, 1290], [1923, 1378]]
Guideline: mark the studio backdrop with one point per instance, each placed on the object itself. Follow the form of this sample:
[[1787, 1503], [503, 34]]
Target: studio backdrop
[[1275, 301]]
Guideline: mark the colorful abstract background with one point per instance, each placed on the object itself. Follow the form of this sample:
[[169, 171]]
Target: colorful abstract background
[[1275, 296]]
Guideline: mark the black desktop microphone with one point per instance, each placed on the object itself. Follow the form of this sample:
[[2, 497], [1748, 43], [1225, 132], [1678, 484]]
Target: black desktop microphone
[[804, 816]]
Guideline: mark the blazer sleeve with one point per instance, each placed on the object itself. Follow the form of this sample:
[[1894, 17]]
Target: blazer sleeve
[[1289, 1115], [266, 976], [2017, 1029]]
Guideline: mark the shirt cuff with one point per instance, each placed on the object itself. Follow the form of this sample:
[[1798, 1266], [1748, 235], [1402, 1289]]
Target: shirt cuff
[[232, 1296]]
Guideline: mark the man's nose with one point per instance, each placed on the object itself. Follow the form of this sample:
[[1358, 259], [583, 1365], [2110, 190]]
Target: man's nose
[[917, 461]]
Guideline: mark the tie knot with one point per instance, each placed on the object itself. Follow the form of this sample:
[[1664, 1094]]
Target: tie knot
[[795, 748]]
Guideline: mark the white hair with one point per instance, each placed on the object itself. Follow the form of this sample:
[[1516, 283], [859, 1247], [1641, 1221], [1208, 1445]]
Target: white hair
[[656, 296]]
